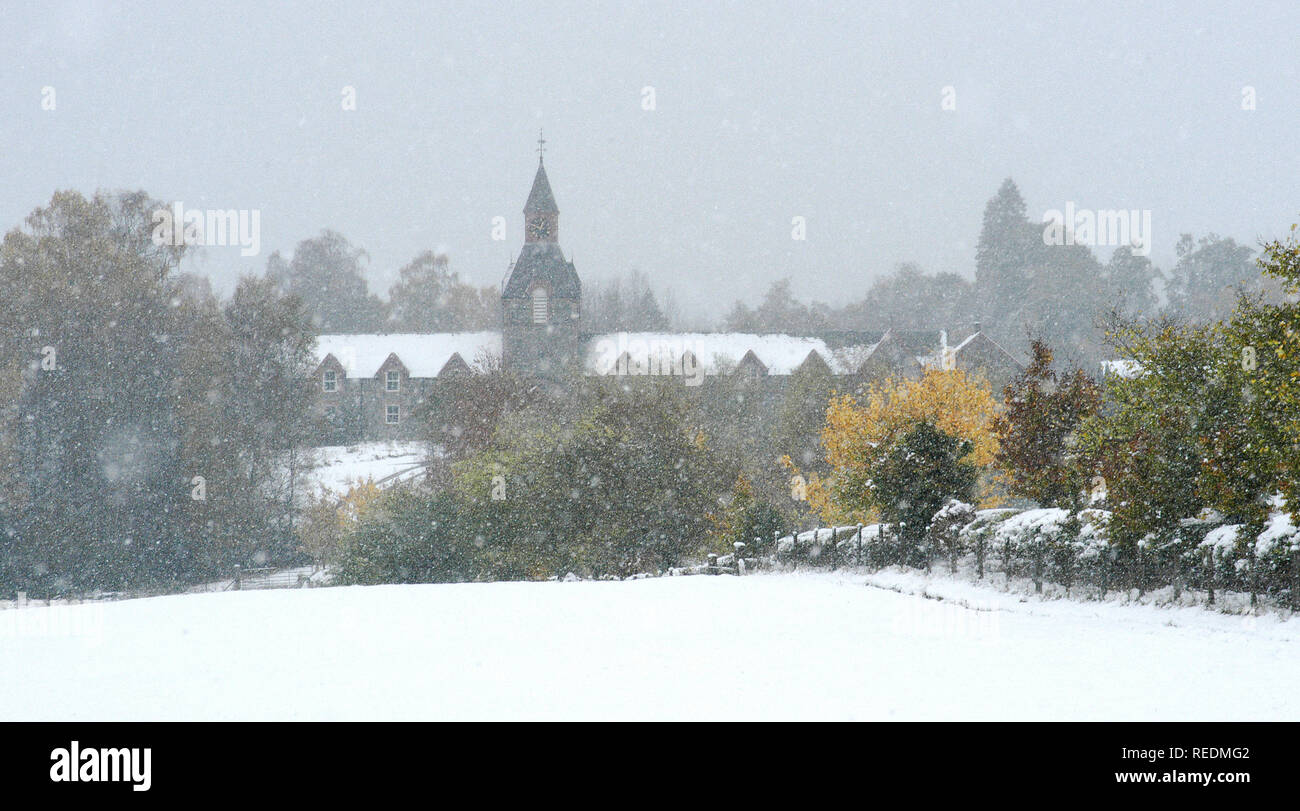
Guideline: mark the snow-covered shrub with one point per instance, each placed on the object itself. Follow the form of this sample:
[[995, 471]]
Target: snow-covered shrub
[[1053, 544], [842, 544], [406, 537], [978, 534], [747, 519], [878, 545], [1063, 552], [821, 544], [1030, 536], [1219, 549], [945, 531], [1095, 555], [1048, 543], [1276, 549]]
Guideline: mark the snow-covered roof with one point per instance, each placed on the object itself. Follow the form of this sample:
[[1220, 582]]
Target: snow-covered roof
[[716, 352], [935, 359], [422, 354]]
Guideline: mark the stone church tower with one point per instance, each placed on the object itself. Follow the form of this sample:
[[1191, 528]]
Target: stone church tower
[[541, 302], [372, 387]]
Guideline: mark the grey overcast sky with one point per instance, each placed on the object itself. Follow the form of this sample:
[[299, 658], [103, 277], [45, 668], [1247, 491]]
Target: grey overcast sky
[[763, 112]]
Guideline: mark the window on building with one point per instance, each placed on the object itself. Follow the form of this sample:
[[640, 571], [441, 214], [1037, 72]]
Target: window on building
[[540, 306], [393, 381], [330, 380], [390, 414]]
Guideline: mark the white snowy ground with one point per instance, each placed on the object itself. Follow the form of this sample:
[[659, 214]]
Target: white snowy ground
[[779, 646], [338, 467]]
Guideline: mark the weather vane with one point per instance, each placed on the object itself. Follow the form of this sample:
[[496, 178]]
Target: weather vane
[[541, 146]]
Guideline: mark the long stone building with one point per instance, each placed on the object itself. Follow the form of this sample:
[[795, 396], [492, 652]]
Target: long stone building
[[371, 384]]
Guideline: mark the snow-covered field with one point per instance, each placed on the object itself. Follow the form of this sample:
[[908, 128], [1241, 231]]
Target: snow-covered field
[[783, 646], [338, 467]]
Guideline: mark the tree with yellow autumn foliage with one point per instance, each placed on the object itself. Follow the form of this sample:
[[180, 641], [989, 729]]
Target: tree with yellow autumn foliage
[[861, 431], [328, 518]]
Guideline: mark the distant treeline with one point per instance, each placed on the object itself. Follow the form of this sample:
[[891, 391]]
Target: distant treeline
[[1024, 288]]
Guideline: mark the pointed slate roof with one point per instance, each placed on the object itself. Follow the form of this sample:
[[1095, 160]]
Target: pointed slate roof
[[543, 262], [540, 199]]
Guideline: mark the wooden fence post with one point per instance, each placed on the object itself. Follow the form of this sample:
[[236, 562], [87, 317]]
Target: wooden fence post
[[1039, 552], [1254, 580], [1209, 574], [1295, 576], [1141, 570], [1180, 575]]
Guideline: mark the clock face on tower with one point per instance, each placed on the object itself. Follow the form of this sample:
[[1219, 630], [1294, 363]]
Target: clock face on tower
[[541, 229]]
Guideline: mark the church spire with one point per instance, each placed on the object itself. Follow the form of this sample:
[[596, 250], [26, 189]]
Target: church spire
[[540, 199], [541, 300], [541, 215]]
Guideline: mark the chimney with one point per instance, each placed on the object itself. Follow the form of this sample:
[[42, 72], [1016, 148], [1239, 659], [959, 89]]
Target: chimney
[[977, 326]]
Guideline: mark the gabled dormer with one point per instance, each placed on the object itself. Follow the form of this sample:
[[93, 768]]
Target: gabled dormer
[[393, 376], [814, 363], [750, 367], [331, 375], [454, 367]]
